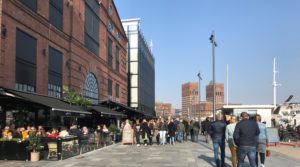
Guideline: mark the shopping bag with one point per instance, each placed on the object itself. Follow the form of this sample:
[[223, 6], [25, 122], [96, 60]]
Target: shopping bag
[[268, 153]]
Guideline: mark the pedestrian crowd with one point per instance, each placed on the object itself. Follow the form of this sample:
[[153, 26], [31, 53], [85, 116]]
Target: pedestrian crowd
[[164, 131], [245, 138]]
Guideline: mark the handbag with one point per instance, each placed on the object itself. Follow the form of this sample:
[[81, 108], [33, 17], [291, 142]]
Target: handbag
[[268, 153]]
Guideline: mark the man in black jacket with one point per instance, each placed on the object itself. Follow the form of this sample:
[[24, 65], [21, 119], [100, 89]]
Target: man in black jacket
[[217, 132], [206, 125], [245, 137]]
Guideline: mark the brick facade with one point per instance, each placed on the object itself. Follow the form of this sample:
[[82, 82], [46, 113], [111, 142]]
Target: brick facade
[[189, 97], [164, 109], [78, 61], [219, 92]]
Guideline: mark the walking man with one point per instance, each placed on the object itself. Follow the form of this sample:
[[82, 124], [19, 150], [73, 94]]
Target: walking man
[[206, 125], [245, 137], [217, 133]]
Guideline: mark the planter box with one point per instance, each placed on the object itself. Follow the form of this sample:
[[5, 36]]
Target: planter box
[[14, 150]]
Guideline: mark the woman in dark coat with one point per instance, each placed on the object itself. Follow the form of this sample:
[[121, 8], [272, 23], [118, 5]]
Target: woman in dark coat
[[145, 131], [171, 131]]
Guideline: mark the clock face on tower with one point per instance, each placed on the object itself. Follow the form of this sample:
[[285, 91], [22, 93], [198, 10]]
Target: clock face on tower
[[91, 88]]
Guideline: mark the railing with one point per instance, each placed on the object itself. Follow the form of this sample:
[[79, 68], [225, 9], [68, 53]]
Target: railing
[[289, 136], [55, 148], [14, 149]]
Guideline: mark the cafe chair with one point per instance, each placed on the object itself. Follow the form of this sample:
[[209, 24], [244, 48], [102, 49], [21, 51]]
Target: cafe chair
[[52, 150]]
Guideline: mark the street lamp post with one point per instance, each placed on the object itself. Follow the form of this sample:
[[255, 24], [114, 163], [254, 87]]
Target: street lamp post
[[214, 44], [200, 78]]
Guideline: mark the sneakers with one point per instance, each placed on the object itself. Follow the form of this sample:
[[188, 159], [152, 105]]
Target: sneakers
[[146, 145], [138, 145], [262, 165]]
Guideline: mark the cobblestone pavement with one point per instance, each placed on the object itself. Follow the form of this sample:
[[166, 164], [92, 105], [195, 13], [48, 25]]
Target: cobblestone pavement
[[186, 154]]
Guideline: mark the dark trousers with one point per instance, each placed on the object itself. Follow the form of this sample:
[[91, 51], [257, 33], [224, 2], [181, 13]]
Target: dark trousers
[[150, 140], [157, 138], [262, 158], [186, 136], [137, 136]]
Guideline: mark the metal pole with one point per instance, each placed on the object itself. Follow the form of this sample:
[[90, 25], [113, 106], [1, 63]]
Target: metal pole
[[274, 82], [199, 76], [227, 85], [214, 44]]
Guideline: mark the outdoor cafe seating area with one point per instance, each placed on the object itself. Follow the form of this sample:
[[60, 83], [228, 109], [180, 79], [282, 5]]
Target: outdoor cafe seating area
[[63, 130]]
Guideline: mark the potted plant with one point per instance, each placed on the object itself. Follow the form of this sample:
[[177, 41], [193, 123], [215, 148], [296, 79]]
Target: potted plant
[[35, 145]]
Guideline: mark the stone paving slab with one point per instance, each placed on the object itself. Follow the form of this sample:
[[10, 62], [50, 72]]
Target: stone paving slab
[[186, 154]]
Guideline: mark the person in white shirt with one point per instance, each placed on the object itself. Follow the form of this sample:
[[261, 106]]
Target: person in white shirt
[[229, 138]]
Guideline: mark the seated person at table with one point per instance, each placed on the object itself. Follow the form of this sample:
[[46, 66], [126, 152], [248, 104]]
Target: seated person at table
[[75, 131], [24, 133], [63, 132], [6, 132], [17, 133], [53, 134], [41, 132]]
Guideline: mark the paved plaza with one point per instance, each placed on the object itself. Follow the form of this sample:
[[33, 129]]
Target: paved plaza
[[186, 154]]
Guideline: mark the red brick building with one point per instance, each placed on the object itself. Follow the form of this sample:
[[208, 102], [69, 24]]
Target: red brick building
[[206, 107], [219, 92], [47, 45], [164, 109], [189, 97]]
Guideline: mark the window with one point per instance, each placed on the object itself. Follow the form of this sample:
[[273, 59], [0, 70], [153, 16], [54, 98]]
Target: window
[[133, 39], [25, 62], [55, 73], [117, 59], [110, 26], [109, 52], [118, 36], [32, 4], [117, 91], [109, 88], [110, 10], [91, 26], [91, 89], [56, 13]]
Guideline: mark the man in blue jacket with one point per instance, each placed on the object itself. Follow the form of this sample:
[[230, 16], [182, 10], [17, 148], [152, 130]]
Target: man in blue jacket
[[217, 132], [245, 137]]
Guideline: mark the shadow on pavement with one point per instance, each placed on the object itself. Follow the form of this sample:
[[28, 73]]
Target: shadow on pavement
[[209, 160], [210, 148]]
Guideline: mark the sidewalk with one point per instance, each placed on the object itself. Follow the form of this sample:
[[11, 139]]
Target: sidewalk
[[186, 154], [281, 156], [290, 151]]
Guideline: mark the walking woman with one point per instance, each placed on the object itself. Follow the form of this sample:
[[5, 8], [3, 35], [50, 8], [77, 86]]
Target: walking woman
[[229, 138], [145, 132], [156, 131], [162, 131], [171, 131], [262, 142]]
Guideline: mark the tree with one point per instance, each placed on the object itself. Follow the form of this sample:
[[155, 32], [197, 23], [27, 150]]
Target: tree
[[35, 144], [73, 97]]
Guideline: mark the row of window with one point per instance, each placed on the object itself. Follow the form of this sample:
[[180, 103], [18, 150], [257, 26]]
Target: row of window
[[217, 94], [55, 11], [110, 55], [91, 25], [110, 87], [26, 70], [26, 47]]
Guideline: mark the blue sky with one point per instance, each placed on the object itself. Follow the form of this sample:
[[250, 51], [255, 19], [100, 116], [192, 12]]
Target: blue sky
[[249, 34]]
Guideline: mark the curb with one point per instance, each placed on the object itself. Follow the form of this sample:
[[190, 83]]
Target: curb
[[285, 144]]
